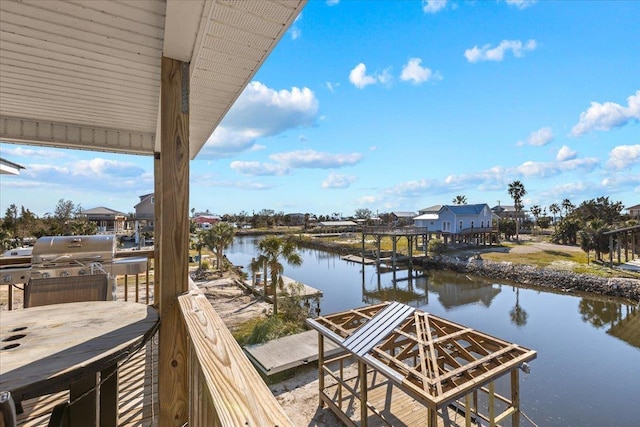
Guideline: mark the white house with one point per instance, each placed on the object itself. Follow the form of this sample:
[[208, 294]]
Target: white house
[[455, 219]]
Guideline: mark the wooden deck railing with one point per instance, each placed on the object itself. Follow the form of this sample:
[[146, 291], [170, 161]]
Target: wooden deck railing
[[225, 388]]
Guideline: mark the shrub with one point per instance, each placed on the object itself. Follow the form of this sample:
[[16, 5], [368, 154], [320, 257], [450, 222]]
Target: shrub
[[436, 247]]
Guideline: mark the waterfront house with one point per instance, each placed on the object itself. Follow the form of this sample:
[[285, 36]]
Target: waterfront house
[[152, 78], [145, 213], [205, 221], [402, 218], [458, 223], [106, 219], [634, 211], [509, 212]]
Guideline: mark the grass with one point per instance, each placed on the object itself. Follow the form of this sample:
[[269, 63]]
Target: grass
[[557, 258]]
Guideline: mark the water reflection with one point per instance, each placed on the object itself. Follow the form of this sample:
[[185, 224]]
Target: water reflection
[[517, 313], [571, 333]]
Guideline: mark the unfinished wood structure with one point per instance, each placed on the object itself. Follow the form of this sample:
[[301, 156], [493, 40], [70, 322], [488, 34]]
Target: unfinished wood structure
[[414, 367], [620, 238], [412, 234]]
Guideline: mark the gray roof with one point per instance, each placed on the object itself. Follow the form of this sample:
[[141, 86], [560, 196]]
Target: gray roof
[[337, 223], [467, 209], [101, 210], [404, 214], [431, 209]]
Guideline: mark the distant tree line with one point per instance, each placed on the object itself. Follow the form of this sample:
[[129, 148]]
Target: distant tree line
[[18, 226]]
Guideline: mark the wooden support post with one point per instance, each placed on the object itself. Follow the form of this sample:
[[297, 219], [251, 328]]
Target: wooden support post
[[379, 246], [109, 397], [515, 397], [492, 404], [126, 287], [173, 383], [320, 368], [363, 239], [410, 250], [610, 250], [362, 373], [618, 241], [157, 229], [467, 410], [395, 252]]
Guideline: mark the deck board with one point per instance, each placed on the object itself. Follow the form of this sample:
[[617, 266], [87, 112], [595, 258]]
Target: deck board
[[396, 407]]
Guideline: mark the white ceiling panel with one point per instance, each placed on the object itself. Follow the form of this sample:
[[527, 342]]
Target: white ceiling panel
[[86, 73]]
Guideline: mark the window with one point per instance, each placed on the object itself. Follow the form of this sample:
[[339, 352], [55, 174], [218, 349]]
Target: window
[[153, 200], [460, 227]]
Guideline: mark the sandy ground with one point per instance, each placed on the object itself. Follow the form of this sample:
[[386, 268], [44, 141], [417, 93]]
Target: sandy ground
[[298, 395]]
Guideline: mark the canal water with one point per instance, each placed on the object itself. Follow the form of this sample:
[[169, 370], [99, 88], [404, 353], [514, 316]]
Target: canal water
[[587, 372]]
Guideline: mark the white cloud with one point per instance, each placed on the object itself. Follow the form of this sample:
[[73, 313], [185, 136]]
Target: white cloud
[[283, 163], [521, 4], [258, 168], [608, 115], [487, 53], [624, 156], [332, 86], [312, 159], [336, 180], [332, 2], [295, 31], [261, 112], [97, 175], [538, 138], [33, 153], [433, 6], [566, 153], [415, 73], [359, 78]]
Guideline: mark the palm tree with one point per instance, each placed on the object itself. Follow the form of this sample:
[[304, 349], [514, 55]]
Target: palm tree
[[218, 238], [460, 200], [567, 206], [536, 211], [198, 244], [554, 208], [272, 249], [517, 192]]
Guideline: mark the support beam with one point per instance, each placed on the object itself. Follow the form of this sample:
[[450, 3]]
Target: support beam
[[174, 243]]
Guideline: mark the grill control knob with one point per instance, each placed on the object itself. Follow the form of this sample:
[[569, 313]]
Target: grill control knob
[[64, 274], [7, 278]]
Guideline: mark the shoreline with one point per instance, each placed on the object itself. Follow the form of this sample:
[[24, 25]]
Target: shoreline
[[521, 274]]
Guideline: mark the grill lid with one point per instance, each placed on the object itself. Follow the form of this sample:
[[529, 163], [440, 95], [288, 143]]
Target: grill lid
[[54, 249]]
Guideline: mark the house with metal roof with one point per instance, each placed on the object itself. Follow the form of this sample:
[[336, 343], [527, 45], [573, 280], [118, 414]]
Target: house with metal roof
[[402, 218], [456, 219]]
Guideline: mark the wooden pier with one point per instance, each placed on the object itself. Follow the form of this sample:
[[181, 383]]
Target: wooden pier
[[291, 287], [288, 352]]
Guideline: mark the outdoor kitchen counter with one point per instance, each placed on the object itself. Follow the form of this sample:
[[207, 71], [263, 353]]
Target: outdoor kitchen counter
[[67, 346]]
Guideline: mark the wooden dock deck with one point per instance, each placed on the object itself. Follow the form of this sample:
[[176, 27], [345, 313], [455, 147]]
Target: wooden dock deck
[[288, 352], [392, 406], [291, 286], [358, 259]]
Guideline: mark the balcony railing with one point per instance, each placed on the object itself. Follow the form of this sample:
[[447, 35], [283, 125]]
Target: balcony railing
[[224, 387]]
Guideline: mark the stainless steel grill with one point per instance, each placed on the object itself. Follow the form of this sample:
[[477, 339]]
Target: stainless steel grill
[[63, 256], [72, 256], [67, 256]]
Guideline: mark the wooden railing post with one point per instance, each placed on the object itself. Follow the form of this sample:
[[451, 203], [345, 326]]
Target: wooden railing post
[[173, 391]]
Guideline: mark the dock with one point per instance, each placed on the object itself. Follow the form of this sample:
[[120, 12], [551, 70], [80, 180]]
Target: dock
[[288, 352], [291, 287], [358, 259]]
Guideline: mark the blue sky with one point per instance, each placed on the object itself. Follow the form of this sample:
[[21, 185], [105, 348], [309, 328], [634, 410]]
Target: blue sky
[[397, 106]]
